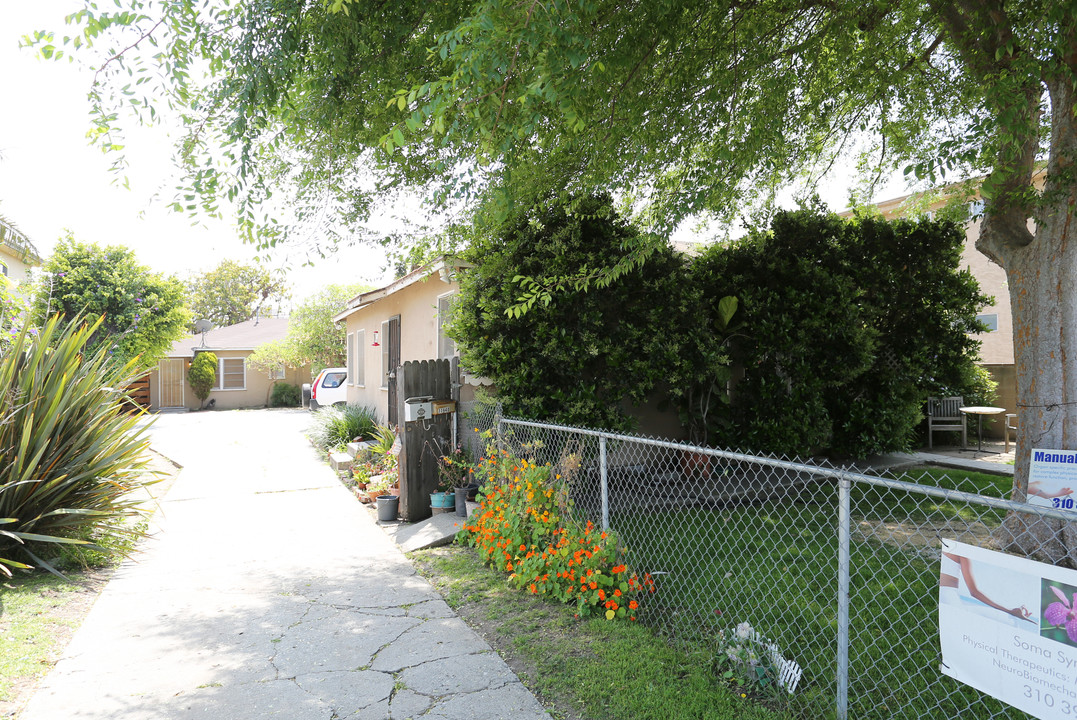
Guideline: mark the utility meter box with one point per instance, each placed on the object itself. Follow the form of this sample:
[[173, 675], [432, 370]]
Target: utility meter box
[[418, 408]]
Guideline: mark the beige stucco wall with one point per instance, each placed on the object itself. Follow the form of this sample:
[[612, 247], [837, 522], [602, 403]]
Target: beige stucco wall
[[1006, 377], [997, 348], [255, 394], [417, 306], [16, 268]]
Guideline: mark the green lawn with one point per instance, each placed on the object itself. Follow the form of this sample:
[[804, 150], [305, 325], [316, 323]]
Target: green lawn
[[38, 614], [591, 669], [774, 564]]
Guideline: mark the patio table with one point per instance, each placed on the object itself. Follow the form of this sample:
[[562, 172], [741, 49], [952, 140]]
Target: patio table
[[979, 411]]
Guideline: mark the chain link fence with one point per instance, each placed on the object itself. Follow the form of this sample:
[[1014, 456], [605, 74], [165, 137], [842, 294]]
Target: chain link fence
[[476, 425], [838, 569]]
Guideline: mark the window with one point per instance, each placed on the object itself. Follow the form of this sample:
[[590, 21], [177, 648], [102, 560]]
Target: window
[[990, 320], [277, 373], [3, 268], [357, 374], [231, 374], [446, 345], [352, 355], [333, 379], [385, 354]]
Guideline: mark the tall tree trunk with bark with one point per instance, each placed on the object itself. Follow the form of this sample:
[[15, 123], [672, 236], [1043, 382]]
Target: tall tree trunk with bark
[[1041, 269]]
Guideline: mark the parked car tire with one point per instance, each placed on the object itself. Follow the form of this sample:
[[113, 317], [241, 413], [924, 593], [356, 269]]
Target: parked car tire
[[306, 395]]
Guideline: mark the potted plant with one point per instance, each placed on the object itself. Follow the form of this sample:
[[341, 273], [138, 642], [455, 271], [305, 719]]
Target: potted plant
[[377, 488], [454, 471]]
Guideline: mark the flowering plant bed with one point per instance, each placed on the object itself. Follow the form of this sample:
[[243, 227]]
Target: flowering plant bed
[[524, 527]]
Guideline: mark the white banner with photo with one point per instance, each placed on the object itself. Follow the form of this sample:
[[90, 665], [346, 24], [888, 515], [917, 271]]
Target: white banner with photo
[[1008, 627]]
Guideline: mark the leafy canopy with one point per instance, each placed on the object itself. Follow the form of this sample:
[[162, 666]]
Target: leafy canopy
[[142, 312], [234, 292], [682, 106], [579, 356], [313, 337]]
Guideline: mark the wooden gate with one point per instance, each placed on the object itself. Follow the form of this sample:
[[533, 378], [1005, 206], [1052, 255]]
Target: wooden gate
[[138, 394], [422, 441]]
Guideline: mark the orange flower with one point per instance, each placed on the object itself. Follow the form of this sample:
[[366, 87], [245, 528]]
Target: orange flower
[[619, 569], [632, 604], [601, 594], [594, 585], [533, 588], [617, 593]]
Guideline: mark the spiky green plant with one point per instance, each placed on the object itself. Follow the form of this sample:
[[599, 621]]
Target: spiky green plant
[[70, 455], [335, 427]]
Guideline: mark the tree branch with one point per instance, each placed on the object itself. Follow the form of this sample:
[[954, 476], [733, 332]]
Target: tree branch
[[127, 49]]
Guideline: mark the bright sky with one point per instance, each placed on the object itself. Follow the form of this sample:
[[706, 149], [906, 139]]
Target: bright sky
[[51, 180]]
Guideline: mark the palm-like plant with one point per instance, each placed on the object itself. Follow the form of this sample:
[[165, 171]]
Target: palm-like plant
[[70, 455]]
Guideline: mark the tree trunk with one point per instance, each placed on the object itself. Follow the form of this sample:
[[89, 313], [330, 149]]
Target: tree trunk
[[1042, 278]]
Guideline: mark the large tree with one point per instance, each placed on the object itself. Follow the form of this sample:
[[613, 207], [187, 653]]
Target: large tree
[[233, 292], [313, 338], [142, 312], [683, 106]]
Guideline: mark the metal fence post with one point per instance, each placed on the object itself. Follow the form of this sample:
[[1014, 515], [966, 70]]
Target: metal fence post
[[604, 482], [844, 491]]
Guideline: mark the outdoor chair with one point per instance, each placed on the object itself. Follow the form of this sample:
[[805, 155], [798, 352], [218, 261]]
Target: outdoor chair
[[1011, 425], [943, 414]]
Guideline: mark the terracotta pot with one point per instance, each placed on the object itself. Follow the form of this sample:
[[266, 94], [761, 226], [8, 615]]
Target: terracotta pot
[[695, 466]]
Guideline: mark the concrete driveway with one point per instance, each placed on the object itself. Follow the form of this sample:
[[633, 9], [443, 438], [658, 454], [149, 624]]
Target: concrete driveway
[[268, 591]]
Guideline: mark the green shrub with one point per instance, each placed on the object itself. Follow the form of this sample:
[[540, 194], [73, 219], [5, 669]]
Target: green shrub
[[202, 375], [72, 457], [846, 328], [335, 427], [578, 357], [284, 395]]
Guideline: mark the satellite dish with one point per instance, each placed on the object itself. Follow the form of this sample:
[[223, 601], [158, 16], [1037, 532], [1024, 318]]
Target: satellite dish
[[203, 325]]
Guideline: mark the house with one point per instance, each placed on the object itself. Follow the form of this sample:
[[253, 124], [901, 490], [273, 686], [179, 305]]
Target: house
[[405, 320], [17, 253], [237, 386]]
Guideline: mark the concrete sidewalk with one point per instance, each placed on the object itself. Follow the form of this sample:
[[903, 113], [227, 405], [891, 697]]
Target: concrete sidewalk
[[268, 591]]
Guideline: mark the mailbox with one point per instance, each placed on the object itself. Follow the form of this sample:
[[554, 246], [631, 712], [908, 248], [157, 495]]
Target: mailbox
[[418, 408]]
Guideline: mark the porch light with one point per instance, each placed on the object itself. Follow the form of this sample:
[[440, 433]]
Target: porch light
[[375, 343]]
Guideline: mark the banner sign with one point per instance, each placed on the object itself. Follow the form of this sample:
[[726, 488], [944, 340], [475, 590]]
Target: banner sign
[[1052, 478], [1008, 627]]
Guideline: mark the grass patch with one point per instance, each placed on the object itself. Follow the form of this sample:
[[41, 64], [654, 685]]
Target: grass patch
[[888, 504], [38, 614], [775, 565], [591, 669]]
